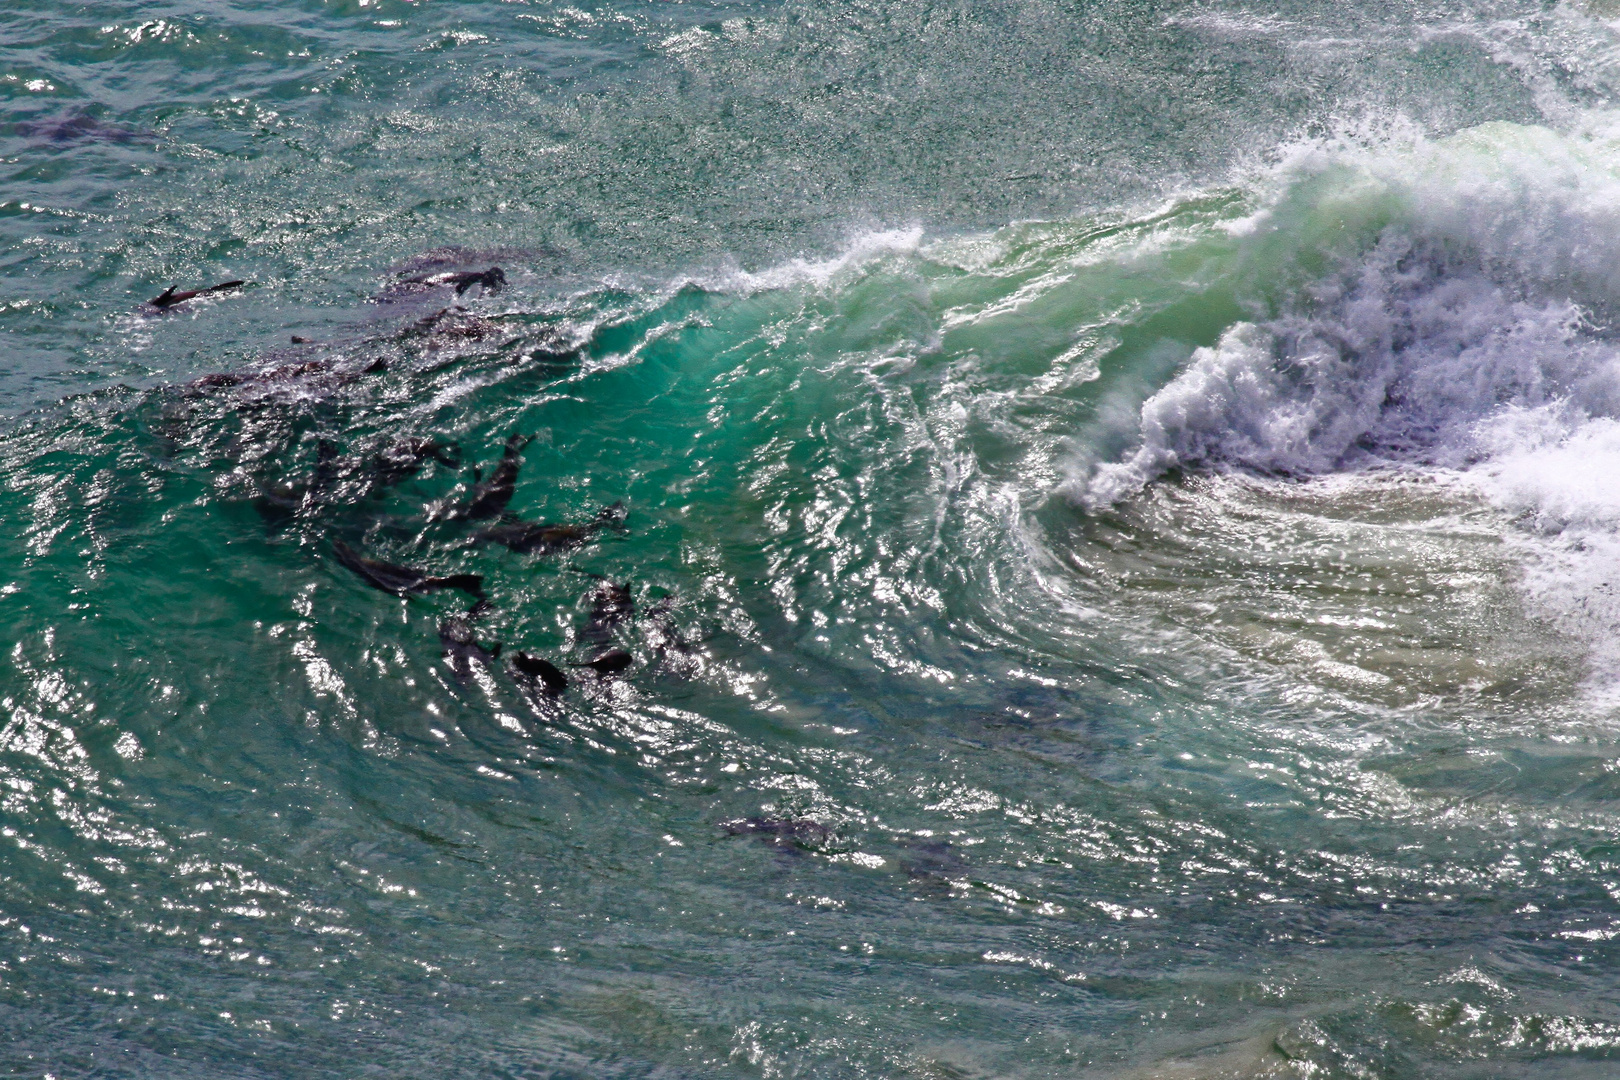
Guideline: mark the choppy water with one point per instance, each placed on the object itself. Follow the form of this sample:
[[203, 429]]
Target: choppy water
[[1119, 508]]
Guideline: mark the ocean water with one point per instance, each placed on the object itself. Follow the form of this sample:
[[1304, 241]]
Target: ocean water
[[1104, 520]]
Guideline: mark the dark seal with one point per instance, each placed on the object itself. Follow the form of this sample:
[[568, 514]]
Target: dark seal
[[404, 580], [172, 296]]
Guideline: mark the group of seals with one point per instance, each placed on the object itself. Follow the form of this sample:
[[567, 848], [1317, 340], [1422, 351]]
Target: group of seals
[[612, 605], [482, 510], [491, 280]]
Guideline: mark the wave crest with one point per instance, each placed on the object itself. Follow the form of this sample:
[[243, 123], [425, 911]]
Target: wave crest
[[1408, 351]]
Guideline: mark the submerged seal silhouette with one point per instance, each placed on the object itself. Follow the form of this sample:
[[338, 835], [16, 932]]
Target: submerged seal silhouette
[[611, 608], [607, 663], [404, 580], [542, 538], [461, 649], [172, 296], [539, 673], [490, 497]]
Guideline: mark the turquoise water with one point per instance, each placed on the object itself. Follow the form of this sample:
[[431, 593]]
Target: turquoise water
[[1109, 531]]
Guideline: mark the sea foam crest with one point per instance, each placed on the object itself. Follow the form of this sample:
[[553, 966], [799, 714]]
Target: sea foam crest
[[858, 252], [1493, 259], [1470, 335]]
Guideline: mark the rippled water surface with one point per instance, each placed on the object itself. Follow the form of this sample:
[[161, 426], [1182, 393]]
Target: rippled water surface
[[1083, 540]]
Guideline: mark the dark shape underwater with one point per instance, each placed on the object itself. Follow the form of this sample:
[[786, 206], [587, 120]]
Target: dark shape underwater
[[461, 648], [543, 538], [404, 580], [490, 497], [608, 663], [539, 673], [171, 296]]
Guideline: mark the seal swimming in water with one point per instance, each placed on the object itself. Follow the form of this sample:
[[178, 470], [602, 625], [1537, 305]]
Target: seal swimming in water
[[404, 580], [461, 648], [611, 607], [540, 538], [170, 296], [452, 324], [82, 124], [492, 280], [361, 477], [490, 497], [607, 663], [665, 638], [539, 673], [404, 458], [783, 832], [279, 501]]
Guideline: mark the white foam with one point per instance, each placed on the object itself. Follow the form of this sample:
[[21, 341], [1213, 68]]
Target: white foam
[[859, 252], [1560, 472], [1461, 335], [1232, 26], [1404, 370]]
